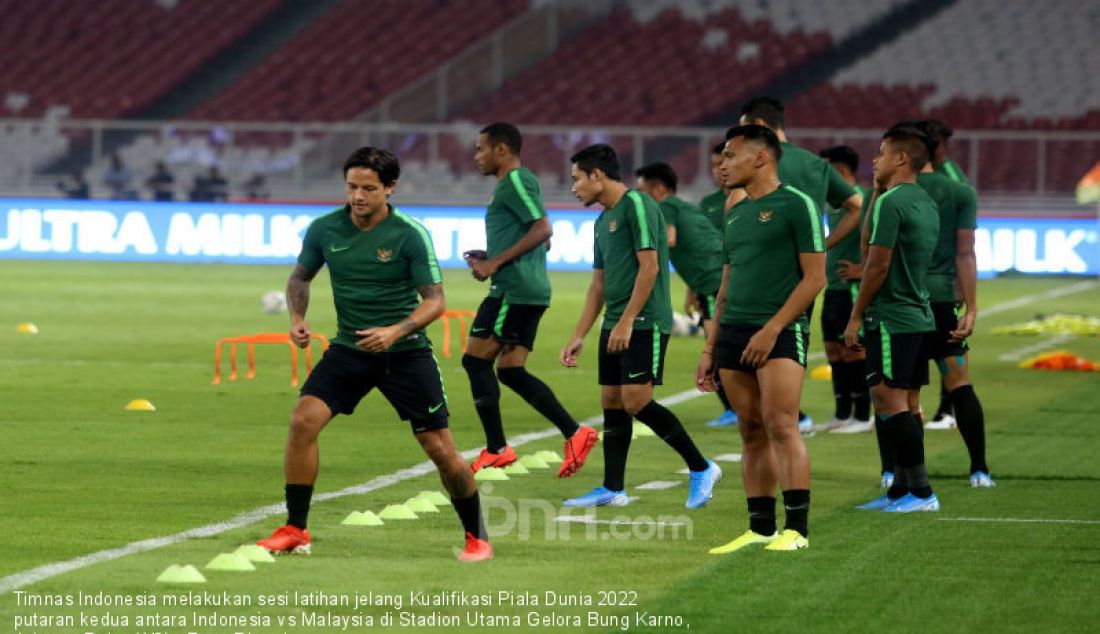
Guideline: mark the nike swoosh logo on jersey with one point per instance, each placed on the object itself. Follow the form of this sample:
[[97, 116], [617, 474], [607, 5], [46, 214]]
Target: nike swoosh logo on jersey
[[435, 408], [335, 249]]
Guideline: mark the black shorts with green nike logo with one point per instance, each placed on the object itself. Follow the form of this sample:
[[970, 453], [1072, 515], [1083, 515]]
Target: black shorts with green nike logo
[[642, 361], [409, 380], [506, 322]]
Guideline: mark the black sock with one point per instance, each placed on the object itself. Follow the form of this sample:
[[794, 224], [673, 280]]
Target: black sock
[[971, 419], [469, 512], [857, 384], [885, 445], [796, 503], [539, 396], [665, 424], [762, 515], [297, 504], [617, 431], [801, 415], [910, 453], [722, 395], [841, 393], [486, 392], [945, 405]]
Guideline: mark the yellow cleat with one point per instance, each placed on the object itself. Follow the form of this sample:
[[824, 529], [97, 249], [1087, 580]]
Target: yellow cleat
[[789, 540], [747, 538]]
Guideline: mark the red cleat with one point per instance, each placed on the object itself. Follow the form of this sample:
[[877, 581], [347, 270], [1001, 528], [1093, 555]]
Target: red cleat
[[476, 549], [576, 451], [287, 539], [507, 456]]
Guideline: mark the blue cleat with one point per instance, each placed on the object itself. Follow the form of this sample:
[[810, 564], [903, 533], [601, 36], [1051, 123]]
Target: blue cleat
[[806, 426], [887, 480], [727, 419], [880, 503], [910, 503], [981, 480], [701, 485], [600, 496]]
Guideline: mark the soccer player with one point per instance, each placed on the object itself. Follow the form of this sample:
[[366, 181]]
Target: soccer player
[[630, 278], [694, 247], [714, 203], [516, 228], [853, 401], [953, 276], [810, 174], [893, 310], [379, 260], [941, 163], [773, 267]]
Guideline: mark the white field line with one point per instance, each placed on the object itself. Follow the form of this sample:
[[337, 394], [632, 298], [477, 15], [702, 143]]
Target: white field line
[[1016, 520], [1027, 351], [46, 571]]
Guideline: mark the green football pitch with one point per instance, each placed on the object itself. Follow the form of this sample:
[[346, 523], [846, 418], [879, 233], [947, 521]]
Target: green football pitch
[[97, 501]]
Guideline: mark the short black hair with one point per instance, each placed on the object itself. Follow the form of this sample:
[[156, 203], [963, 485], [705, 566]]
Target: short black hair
[[754, 132], [767, 109], [600, 156], [928, 133], [912, 141], [659, 172], [506, 133], [842, 154], [939, 129], [383, 162], [719, 148]]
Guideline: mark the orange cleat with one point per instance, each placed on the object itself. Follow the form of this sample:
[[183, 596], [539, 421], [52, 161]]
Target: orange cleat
[[287, 539], [576, 450], [507, 456], [476, 549]]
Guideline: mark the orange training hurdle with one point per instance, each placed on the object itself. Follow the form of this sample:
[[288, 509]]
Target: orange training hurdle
[[252, 340], [461, 316]]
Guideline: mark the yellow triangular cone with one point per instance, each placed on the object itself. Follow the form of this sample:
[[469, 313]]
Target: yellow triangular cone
[[435, 497], [533, 462], [366, 518], [490, 473], [255, 553], [27, 328], [231, 562], [548, 456], [823, 372], [420, 505], [181, 574], [141, 405], [397, 512], [642, 430], [516, 469]]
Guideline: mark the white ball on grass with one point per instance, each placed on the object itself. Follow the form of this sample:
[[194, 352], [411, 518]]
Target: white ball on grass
[[273, 302]]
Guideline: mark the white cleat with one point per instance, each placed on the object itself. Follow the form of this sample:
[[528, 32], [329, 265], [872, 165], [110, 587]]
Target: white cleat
[[856, 426], [835, 423], [947, 421]]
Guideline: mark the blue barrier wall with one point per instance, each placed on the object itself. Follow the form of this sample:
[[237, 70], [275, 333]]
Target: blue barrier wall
[[271, 234]]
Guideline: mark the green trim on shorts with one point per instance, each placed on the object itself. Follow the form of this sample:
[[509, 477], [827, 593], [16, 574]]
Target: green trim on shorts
[[498, 327], [656, 352], [853, 288], [799, 346], [442, 385], [887, 357]]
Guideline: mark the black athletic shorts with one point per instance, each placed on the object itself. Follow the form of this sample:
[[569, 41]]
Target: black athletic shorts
[[642, 361], [508, 323], [836, 311], [706, 305], [410, 381], [791, 343], [899, 359], [939, 343]]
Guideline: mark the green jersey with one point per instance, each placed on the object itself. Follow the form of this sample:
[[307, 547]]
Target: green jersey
[[697, 255], [905, 220], [958, 207], [814, 176], [952, 170], [515, 204], [633, 224], [764, 238], [847, 249], [714, 207], [375, 274]]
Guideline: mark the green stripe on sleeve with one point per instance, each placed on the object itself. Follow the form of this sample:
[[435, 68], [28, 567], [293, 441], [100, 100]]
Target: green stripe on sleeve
[[878, 207], [815, 218], [532, 208], [643, 224], [433, 263]]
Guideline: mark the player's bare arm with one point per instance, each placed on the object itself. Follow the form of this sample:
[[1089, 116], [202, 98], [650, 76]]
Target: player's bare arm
[[966, 267], [875, 269], [619, 339], [431, 306], [538, 232], [813, 280], [593, 304], [848, 223], [704, 372], [297, 299]]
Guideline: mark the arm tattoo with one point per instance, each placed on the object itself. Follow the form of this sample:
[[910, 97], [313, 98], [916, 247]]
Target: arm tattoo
[[297, 290], [430, 291], [407, 325]]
